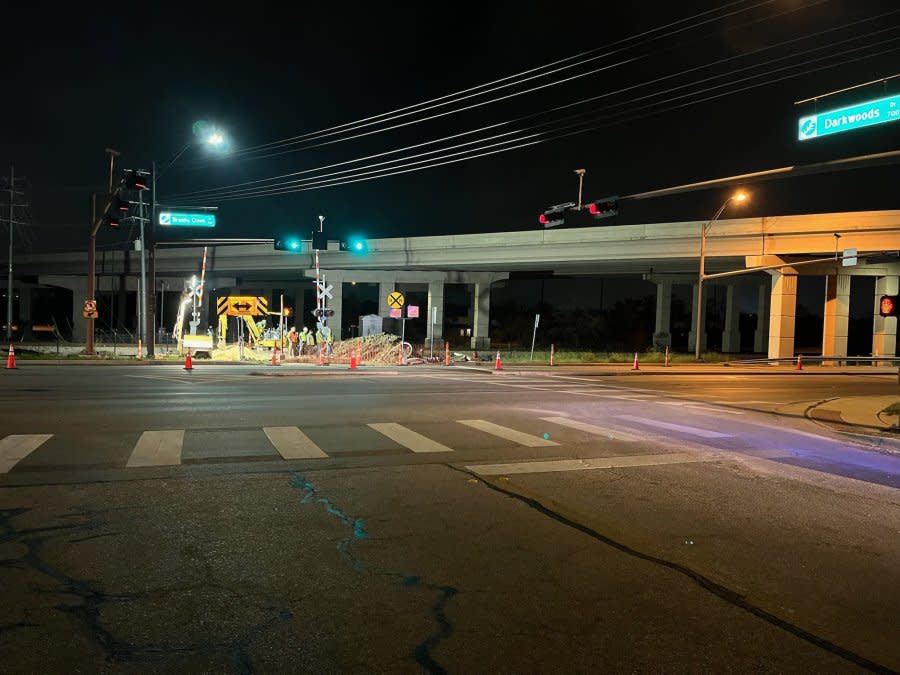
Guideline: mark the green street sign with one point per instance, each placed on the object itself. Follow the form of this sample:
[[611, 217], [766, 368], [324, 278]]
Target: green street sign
[[187, 219], [849, 118]]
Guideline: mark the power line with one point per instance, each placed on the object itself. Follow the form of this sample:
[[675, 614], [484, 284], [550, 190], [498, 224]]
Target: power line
[[510, 80], [401, 170], [229, 191]]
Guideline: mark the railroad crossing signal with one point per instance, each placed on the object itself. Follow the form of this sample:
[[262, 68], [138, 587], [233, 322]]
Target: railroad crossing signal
[[395, 300], [324, 291]]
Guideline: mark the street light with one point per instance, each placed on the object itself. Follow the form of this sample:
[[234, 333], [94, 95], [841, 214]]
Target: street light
[[738, 197], [204, 134]]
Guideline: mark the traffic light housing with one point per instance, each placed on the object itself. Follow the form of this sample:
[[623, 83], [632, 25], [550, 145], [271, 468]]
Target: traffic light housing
[[889, 305], [604, 208], [111, 219], [356, 245], [555, 215], [292, 244], [319, 313], [134, 180]]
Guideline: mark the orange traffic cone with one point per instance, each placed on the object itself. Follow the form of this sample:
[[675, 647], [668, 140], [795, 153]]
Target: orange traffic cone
[[352, 359], [11, 359], [446, 353], [139, 349], [552, 354], [275, 356], [635, 365], [799, 365], [666, 364], [188, 361], [321, 355], [498, 364]]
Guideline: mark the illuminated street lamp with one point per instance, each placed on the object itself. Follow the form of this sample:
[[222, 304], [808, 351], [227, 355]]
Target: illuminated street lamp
[[738, 197]]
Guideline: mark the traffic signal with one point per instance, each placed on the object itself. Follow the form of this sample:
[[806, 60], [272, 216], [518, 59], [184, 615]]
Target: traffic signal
[[120, 205], [356, 245], [889, 305], [322, 312], [555, 215], [112, 219], [292, 244], [135, 181], [604, 208]]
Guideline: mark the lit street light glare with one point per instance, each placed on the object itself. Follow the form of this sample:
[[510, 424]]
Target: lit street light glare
[[216, 138], [740, 196]]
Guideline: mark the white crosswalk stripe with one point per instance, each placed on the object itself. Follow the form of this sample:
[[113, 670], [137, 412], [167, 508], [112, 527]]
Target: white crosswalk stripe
[[292, 443], [606, 432], [17, 447], [157, 448], [519, 437], [408, 438], [557, 465], [669, 426]]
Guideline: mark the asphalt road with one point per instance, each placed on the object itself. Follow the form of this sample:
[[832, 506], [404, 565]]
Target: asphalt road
[[153, 520]]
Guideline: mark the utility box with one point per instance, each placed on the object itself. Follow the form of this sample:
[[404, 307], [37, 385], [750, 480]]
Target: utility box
[[370, 324]]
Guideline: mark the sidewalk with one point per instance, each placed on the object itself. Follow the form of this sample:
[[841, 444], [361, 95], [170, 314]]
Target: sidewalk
[[857, 411]]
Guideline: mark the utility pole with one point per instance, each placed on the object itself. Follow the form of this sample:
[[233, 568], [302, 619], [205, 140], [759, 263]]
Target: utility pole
[[96, 220], [12, 223]]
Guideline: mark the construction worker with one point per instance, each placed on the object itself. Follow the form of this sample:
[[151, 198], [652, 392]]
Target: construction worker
[[329, 341], [294, 341], [301, 339], [310, 340]]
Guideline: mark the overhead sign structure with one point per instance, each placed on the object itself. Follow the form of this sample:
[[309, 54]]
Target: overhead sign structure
[[395, 300], [849, 118], [187, 218], [242, 305]]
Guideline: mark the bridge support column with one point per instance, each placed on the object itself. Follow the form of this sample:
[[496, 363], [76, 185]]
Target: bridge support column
[[837, 314], [481, 321], [384, 290], [662, 336], [731, 336], [782, 315], [692, 335], [435, 301], [336, 302], [884, 330], [761, 335], [78, 286]]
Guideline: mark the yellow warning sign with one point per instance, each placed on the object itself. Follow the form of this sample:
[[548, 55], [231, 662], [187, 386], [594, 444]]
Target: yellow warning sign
[[395, 300], [242, 305]]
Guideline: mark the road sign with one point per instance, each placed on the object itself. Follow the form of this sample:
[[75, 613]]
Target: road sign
[[187, 219], [324, 291], [412, 312], [849, 118], [849, 257], [90, 309], [395, 312], [395, 300], [537, 320], [242, 305]]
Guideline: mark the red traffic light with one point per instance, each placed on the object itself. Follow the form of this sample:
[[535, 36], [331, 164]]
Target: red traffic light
[[889, 305], [542, 219]]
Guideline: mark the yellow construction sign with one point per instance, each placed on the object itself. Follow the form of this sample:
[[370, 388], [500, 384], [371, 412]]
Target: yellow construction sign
[[242, 305]]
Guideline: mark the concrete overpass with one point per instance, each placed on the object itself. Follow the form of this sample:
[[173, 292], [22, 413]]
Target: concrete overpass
[[666, 253]]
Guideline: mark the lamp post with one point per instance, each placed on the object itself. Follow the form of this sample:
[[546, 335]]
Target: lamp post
[[738, 197], [212, 137]]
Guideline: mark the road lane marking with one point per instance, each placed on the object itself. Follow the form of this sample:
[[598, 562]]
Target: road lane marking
[[701, 406], [552, 466], [593, 429], [291, 443], [693, 431], [17, 447], [408, 438], [157, 448], [519, 437]]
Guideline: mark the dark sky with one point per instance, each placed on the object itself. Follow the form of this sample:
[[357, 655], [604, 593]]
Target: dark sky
[[136, 76]]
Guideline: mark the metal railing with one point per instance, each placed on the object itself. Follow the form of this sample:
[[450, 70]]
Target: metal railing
[[817, 358]]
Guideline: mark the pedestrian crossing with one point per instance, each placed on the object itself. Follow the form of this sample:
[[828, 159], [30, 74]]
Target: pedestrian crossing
[[525, 436]]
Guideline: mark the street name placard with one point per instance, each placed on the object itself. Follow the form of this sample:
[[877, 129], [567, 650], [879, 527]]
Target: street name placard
[[849, 118], [187, 219]]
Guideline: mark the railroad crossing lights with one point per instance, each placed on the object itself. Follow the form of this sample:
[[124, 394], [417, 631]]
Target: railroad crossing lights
[[395, 300], [242, 305]]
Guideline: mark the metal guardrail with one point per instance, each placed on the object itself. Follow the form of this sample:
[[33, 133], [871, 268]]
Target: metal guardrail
[[813, 358]]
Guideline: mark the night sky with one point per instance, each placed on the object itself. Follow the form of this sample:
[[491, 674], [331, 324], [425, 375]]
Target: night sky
[[136, 76]]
